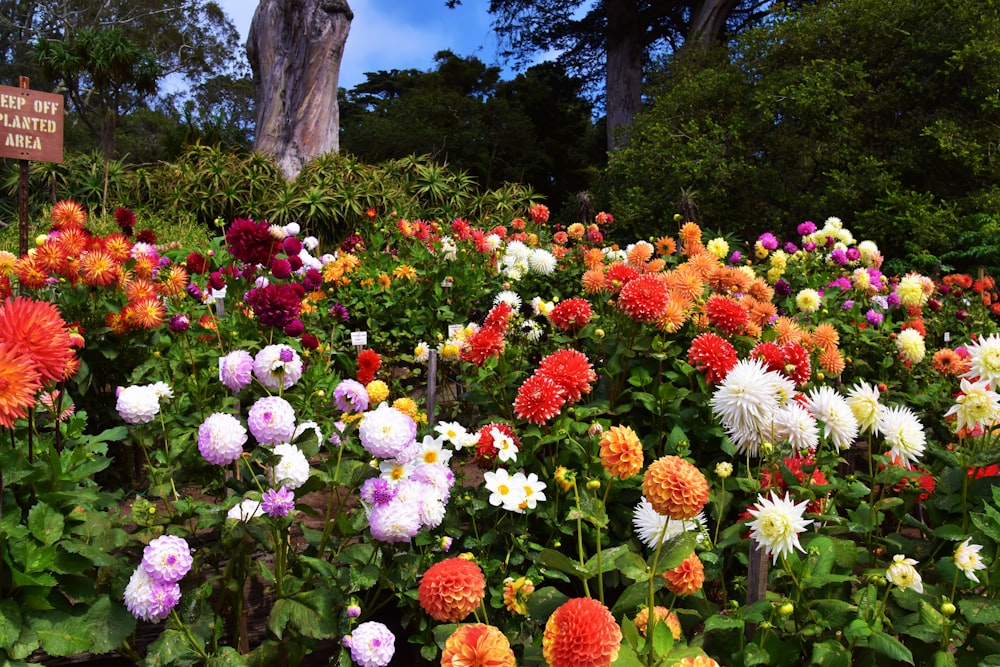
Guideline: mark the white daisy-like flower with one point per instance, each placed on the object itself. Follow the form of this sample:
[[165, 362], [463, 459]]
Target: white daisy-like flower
[[777, 523], [449, 249], [903, 432], [839, 423], [510, 297], [421, 352], [903, 574], [968, 560], [432, 451], [746, 401], [984, 359], [453, 432], [506, 449], [542, 261], [533, 490], [493, 241], [977, 405], [541, 307], [396, 471], [517, 251], [504, 491], [653, 528], [162, 390], [863, 401], [794, 424]]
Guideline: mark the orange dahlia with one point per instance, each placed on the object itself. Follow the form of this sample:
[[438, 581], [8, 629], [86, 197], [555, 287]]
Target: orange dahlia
[[451, 589], [477, 645], [675, 488], [665, 245], [19, 383], [787, 330], [672, 317], [30, 274], [691, 238], [696, 661], [639, 254], [664, 615], [99, 268], [173, 280], [687, 578], [832, 361], [74, 241], [825, 336], [593, 280], [948, 362], [68, 214], [144, 313], [581, 633], [36, 329], [118, 246], [621, 452]]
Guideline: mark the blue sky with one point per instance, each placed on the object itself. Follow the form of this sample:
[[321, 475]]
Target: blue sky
[[400, 34]]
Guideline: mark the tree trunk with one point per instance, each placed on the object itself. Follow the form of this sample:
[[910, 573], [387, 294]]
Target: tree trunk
[[708, 21], [295, 48], [623, 83]]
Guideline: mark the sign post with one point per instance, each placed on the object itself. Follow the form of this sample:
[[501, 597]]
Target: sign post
[[31, 128]]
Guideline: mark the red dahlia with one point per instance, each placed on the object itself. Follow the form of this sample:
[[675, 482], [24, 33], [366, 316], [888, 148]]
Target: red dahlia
[[571, 314], [726, 314], [570, 370], [644, 298], [713, 355], [539, 399]]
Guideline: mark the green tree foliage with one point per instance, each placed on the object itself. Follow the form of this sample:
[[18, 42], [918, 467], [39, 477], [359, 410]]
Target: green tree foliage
[[609, 43], [535, 129], [883, 112]]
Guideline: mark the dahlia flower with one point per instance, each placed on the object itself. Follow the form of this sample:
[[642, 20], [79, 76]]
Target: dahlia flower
[[984, 359], [235, 370], [148, 599], [581, 633], [221, 438], [653, 528], [903, 432], [621, 452], [451, 589], [687, 578], [777, 523], [167, 559], [976, 405], [968, 560], [372, 644], [138, 404], [675, 487], [271, 420], [903, 574], [388, 433], [292, 469], [277, 367], [839, 423], [477, 645], [746, 401]]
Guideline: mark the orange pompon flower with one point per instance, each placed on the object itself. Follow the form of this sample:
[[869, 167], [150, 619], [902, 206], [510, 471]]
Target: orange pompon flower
[[825, 336], [675, 488], [760, 290], [19, 384], [948, 362], [621, 452], [761, 312], [686, 283], [140, 288], [696, 661], [593, 258], [665, 245], [704, 263], [68, 214], [663, 615], [477, 645], [99, 268], [451, 589], [593, 280], [581, 633], [36, 329], [639, 254], [832, 361], [687, 578], [644, 298], [515, 594]]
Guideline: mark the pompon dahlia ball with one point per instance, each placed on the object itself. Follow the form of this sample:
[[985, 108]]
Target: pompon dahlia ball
[[687, 578], [581, 633], [675, 488], [664, 615], [451, 589], [696, 661], [477, 645], [621, 452]]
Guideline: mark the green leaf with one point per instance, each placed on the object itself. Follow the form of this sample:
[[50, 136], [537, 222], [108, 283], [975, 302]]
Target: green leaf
[[108, 624], [364, 577], [169, 649], [950, 531], [560, 562], [544, 601], [10, 623], [830, 653], [675, 550], [633, 566], [981, 610], [626, 657], [663, 637], [61, 634], [857, 629], [946, 659], [889, 646], [45, 524], [723, 622], [609, 559], [630, 633], [755, 655], [227, 657]]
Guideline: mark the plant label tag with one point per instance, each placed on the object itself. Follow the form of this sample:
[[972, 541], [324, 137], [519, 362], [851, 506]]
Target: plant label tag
[[453, 330], [359, 338]]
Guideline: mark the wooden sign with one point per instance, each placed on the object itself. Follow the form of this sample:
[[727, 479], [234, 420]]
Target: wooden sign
[[31, 125]]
